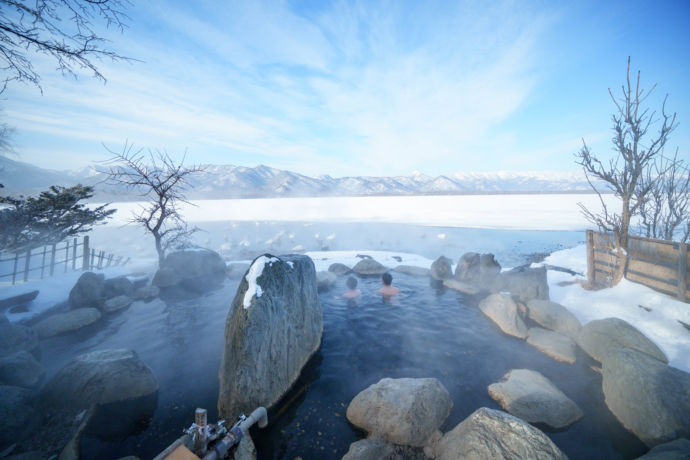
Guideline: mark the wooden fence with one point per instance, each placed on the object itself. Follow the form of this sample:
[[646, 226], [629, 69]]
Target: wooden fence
[[40, 262], [659, 264]]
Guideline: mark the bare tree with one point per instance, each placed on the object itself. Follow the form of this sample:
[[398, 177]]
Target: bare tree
[[162, 181], [624, 175], [61, 29]]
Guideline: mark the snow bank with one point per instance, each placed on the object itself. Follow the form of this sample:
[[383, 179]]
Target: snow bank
[[654, 314], [255, 271]]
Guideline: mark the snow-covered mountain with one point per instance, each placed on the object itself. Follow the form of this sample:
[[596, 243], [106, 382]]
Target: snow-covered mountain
[[227, 181]]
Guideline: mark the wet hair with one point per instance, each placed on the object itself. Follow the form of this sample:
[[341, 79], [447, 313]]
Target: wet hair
[[351, 282], [387, 279]]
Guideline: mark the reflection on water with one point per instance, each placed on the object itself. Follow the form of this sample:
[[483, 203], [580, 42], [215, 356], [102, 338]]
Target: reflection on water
[[426, 331]]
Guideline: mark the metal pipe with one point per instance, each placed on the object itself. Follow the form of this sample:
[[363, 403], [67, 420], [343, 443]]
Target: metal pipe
[[222, 447]]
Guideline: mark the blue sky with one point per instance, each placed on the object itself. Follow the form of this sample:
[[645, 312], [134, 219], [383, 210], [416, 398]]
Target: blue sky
[[361, 88]]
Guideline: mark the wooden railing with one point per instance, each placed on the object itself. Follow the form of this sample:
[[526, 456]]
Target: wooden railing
[[43, 261], [659, 264]]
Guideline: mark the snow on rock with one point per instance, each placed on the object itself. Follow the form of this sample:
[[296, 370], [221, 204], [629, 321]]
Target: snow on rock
[[255, 271]]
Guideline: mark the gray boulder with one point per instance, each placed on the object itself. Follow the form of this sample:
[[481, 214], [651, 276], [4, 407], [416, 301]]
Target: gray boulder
[[119, 286], [196, 270], [403, 411], [412, 270], [325, 280], [525, 283], [369, 449], [599, 336], [369, 267], [503, 311], [339, 269], [15, 337], [101, 377], [116, 303], [88, 291], [492, 434], [532, 397], [17, 413], [61, 323], [553, 316], [441, 269], [648, 397], [469, 289], [480, 270], [146, 292], [273, 327], [20, 369], [674, 450], [558, 346]]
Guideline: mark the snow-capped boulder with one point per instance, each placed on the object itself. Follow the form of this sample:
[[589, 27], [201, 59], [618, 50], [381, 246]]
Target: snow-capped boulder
[[489, 433], [479, 270], [20, 369], [599, 336], [503, 311], [525, 283], [15, 337], [529, 395], [87, 292], [554, 316], [101, 377], [273, 327], [369, 267], [412, 270], [339, 269], [558, 346], [648, 397], [118, 286], [116, 303], [325, 280], [61, 323], [403, 411], [441, 269], [196, 270]]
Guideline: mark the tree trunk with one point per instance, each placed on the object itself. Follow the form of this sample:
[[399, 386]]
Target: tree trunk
[[159, 249], [621, 240]]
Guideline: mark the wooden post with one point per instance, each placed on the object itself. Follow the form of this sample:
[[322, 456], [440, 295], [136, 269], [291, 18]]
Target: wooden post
[[14, 270], [52, 260], [110, 260], [66, 254], [200, 416], [590, 257], [100, 259], [43, 261], [74, 254], [27, 262], [682, 270], [85, 257], [93, 258]]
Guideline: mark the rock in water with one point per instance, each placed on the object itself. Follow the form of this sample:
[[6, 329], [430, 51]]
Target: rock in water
[[273, 327], [20, 369], [15, 337], [674, 450], [369, 449], [197, 270], [648, 397], [558, 346], [17, 413], [492, 434], [402, 411], [441, 269], [525, 283], [412, 270], [369, 267], [554, 316], [501, 309], [117, 303], [88, 291], [61, 323], [339, 269], [480, 270], [325, 280], [114, 287], [599, 336], [101, 377], [532, 397]]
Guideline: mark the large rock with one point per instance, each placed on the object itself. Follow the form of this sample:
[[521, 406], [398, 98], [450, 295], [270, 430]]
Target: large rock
[[441, 268], [503, 311], [20, 369], [403, 411], [648, 397], [72, 320], [469, 289], [369, 449], [17, 413], [480, 270], [146, 292], [492, 434], [101, 377], [15, 337], [369, 267], [273, 327], [525, 283], [196, 270], [339, 269], [88, 291], [116, 303], [558, 346], [674, 450], [599, 336], [412, 270], [532, 397], [325, 280], [553, 316], [114, 287]]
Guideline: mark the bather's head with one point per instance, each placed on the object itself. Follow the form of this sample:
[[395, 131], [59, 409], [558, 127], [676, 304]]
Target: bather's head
[[387, 279], [351, 282]]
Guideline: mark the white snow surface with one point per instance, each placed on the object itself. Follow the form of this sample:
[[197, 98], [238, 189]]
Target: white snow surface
[[624, 301], [255, 271]]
